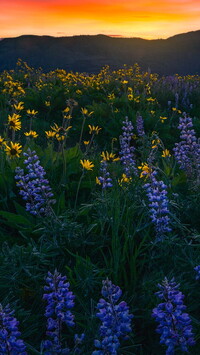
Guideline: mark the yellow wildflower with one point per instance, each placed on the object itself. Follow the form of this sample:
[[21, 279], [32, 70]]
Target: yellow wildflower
[[67, 117], [2, 142], [109, 156], [146, 170], [94, 129], [50, 134], [151, 99], [47, 103], [166, 153], [124, 179], [78, 92], [14, 123], [31, 133], [32, 113], [86, 142], [60, 137], [98, 181], [85, 112], [66, 110], [155, 143], [130, 97], [137, 99], [13, 150], [60, 130], [111, 96], [163, 118], [86, 164], [19, 106]]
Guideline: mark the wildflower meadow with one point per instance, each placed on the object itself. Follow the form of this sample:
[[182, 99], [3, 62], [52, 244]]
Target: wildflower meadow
[[99, 212]]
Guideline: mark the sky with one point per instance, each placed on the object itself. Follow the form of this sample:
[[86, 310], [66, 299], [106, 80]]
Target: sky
[[125, 18]]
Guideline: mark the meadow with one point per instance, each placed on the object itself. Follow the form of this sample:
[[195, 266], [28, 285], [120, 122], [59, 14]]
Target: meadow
[[99, 212]]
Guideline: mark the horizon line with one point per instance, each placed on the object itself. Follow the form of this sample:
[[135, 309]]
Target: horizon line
[[99, 34]]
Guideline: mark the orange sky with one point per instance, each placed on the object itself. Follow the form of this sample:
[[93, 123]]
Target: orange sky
[[128, 18]]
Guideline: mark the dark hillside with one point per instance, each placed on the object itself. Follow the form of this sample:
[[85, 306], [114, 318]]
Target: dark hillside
[[177, 54]]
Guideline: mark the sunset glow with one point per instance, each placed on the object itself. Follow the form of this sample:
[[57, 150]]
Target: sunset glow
[[146, 19]]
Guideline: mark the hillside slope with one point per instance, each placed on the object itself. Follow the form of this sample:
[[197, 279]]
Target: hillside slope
[[177, 54]]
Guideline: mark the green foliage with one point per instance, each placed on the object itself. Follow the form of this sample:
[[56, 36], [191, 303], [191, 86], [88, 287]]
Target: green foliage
[[94, 233]]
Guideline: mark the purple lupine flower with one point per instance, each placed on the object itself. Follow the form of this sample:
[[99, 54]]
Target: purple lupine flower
[[115, 318], [197, 269], [59, 303], [105, 179], [34, 188], [140, 125], [187, 151], [10, 342], [127, 151], [158, 203], [174, 323]]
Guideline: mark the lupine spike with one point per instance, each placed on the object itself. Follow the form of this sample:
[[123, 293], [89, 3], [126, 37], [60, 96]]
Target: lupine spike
[[115, 318], [174, 323], [10, 342], [105, 179], [158, 203], [127, 151], [140, 125], [60, 301], [187, 151], [34, 188]]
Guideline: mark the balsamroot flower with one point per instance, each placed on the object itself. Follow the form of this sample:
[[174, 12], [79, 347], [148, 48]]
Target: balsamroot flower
[[115, 318], [13, 122], [110, 157], [19, 106], [60, 301], [146, 170], [174, 323], [32, 112], [31, 133], [10, 342], [34, 188], [2, 142], [127, 151], [86, 164], [166, 153], [94, 129], [158, 203], [13, 150]]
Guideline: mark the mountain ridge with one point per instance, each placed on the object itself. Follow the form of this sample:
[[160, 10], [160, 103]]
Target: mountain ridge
[[89, 53]]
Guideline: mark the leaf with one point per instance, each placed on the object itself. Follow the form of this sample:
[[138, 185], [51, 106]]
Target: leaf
[[15, 218], [179, 179], [61, 206], [21, 210]]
